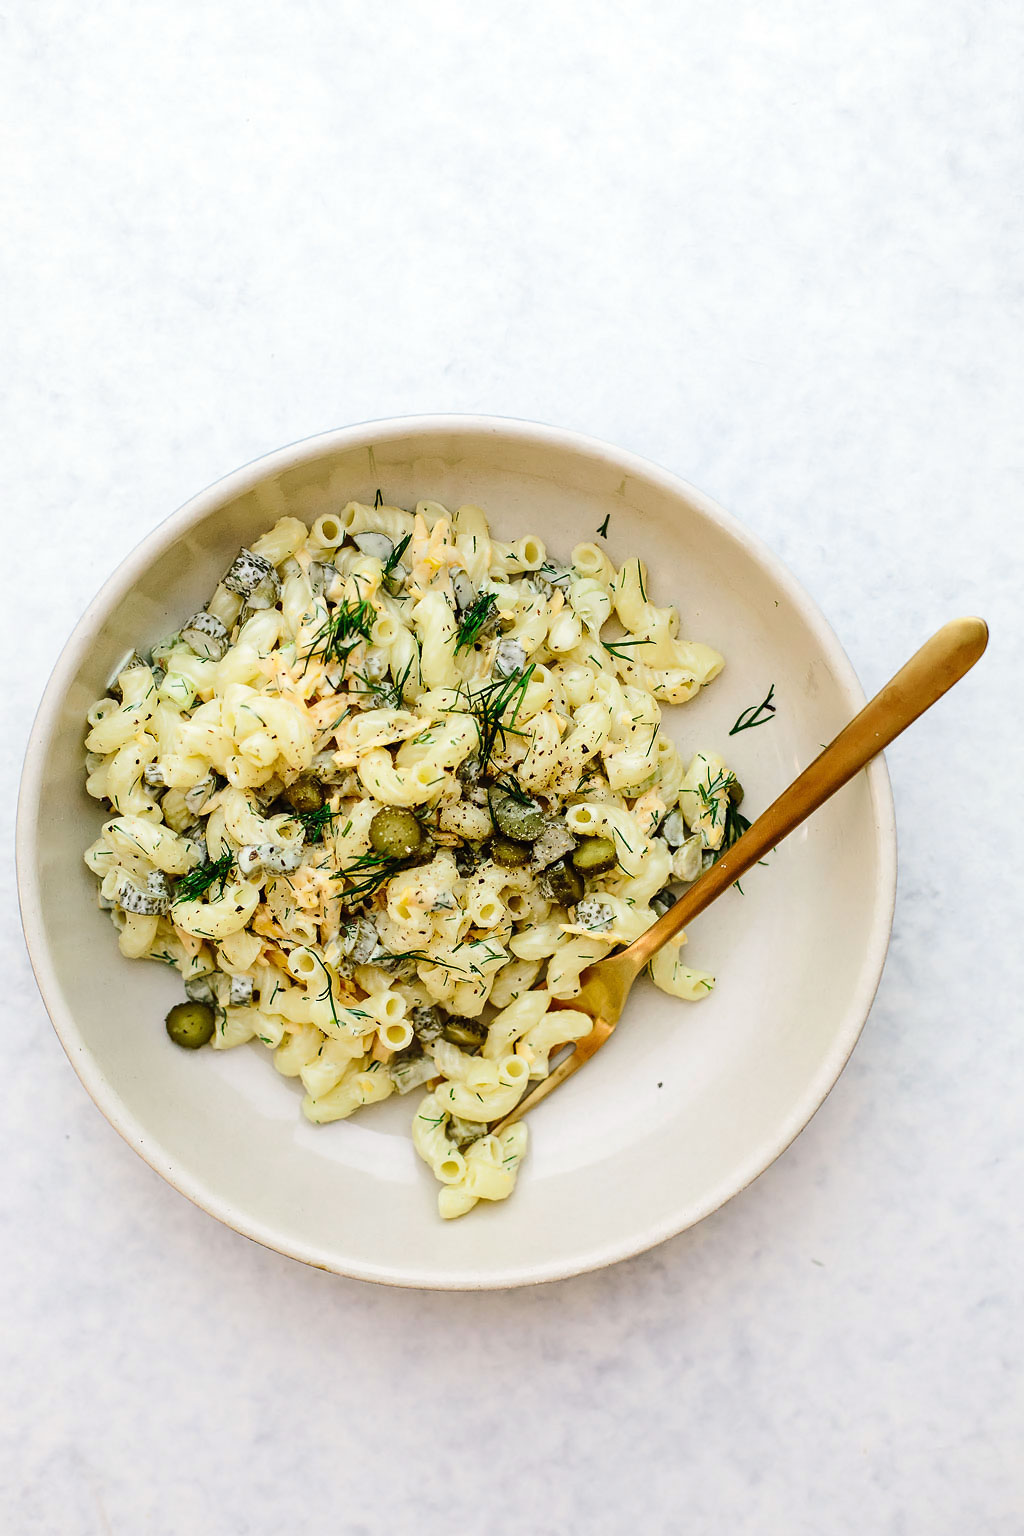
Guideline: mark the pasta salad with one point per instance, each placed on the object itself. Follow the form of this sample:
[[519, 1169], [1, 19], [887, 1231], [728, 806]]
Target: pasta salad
[[386, 796]]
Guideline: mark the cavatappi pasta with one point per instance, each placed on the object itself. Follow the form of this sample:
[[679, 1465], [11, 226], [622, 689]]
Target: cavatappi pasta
[[386, 797]]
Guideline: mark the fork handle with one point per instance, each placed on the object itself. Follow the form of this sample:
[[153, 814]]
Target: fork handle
[[940, 663]]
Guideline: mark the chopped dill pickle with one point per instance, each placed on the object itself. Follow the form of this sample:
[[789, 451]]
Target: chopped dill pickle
[[190, 1025], [395, 834], [516, 816], [304, 795], [509, 854], [595, 856], [563, 884], [470, 1034]]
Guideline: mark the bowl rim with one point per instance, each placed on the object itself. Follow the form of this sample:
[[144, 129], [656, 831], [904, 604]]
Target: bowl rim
[[171, 528]]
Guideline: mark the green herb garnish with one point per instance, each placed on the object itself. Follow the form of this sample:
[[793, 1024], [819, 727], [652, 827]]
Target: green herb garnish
[[315, 823], [368, 873], [198, 881], [389, 695], [602, 532], [474, 621], [516, 790], [616, 647], [710, 794], [327, 995], [489, 706], [395, 556], [341, 633], [421, 957], [757, 714], [735, 826]]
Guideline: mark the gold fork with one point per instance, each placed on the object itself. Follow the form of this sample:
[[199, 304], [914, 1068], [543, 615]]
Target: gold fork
[[940, 663]]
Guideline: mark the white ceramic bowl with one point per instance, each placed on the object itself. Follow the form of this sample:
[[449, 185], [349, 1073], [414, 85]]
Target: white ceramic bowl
[[689, 1102]]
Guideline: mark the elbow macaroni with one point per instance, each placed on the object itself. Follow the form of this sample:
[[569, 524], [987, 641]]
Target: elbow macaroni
[[408, 663]]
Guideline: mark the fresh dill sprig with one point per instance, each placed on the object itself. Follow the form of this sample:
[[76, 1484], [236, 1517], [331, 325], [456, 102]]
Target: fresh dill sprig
[[198, 881], [602, 532], [378, 500], [489, 954], [339, 635], [367, 873], [515, 790], [488, 707], [395, 556], [735, 826], [327, 995], [389, 695], [423, 958], [592, 770], [711, 791], [616, 647], [315, 823], [757, 714], [474, 621]]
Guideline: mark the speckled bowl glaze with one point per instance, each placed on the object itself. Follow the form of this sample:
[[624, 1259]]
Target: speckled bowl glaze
[[689, 1102]]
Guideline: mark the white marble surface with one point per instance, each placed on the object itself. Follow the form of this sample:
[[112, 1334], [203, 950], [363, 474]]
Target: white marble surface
[[777, 248]]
